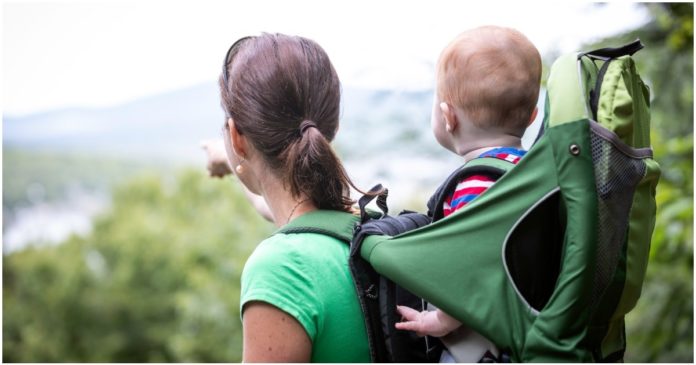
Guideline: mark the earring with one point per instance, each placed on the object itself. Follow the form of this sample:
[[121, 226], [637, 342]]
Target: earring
[[240, 169]]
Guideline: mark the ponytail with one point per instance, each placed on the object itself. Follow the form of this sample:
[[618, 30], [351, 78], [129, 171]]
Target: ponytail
[[313, 169]]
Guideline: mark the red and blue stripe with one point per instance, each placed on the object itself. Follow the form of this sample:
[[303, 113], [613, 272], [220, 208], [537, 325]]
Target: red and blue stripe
[[471, 187]]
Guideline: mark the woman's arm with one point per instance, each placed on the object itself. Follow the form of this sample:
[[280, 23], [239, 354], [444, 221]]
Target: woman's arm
[[218, 166], [271, 335], [259, 204]]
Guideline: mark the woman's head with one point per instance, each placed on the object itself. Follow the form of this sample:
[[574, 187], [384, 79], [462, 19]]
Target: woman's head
[[283, 96]]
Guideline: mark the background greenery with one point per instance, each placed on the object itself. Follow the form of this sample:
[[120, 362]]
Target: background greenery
[[157, 279], [660, 329]]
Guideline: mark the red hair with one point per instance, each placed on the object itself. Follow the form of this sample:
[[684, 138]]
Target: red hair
[[493, 75]]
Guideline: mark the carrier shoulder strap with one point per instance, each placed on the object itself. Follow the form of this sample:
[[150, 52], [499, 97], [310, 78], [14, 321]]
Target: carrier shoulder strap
[[607, 55], [331, 223], [378, 295], [609, 52], [489, 166]]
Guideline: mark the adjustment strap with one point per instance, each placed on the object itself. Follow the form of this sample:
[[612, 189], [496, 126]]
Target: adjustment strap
[[615, 52], [379, 192]]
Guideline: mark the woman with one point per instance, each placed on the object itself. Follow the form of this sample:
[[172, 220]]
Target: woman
[[281, 96]]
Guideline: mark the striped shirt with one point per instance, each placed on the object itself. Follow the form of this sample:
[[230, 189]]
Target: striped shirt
[[472, 186]]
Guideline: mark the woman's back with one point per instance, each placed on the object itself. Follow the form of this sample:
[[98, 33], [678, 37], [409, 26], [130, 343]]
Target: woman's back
[[307, 276]]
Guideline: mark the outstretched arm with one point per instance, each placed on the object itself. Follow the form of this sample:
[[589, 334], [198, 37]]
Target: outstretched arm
[[432, 323], [259, 204], [219, 166]]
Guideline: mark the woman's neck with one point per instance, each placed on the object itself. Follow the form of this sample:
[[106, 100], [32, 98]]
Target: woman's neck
[[283, 205]]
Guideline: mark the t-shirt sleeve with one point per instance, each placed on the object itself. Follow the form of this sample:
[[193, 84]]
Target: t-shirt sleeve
[[466, 190], [277, 274]]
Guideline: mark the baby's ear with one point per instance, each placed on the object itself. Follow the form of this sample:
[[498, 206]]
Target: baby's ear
[[451, 122], [533, 116]]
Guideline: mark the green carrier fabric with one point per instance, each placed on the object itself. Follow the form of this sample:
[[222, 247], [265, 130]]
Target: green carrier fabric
[[549, 260]]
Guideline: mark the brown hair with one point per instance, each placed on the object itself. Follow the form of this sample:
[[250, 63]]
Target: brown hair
[[493, 75], [284, 95]]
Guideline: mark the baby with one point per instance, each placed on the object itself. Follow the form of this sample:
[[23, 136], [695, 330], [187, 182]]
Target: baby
[[488, 82]]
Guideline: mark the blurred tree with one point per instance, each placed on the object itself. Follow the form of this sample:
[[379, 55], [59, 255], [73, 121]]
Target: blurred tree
[[158, 278], [156, 281], [661, 326]]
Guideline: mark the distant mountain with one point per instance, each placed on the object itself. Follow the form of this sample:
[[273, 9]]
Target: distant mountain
[[171, 125], [384, 135], [164, 126]]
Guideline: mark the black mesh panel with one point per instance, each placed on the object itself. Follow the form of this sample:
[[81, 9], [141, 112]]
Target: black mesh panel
[[616, 176]]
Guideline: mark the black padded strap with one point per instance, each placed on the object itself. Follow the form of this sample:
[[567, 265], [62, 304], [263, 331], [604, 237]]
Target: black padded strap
[[617, 356], [384, 345], [435, 202], [594, 93], [379, 192], [615, 52], [386, 226]]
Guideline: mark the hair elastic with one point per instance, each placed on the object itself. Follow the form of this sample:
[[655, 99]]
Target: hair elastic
[[306, 124]]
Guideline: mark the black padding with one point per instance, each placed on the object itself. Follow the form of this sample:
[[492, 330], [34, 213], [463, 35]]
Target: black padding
[[401, 346], [392, 226], [614, 52], [379, 192], [617, 356], [595, 93], [533, 251], [379, 297], [436, 200]]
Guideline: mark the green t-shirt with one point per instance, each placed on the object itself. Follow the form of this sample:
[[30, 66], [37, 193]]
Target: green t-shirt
[[307, 276]]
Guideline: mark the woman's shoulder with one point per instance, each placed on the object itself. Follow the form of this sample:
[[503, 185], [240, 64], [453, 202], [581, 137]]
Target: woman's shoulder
[[320, 228], [299, 248]]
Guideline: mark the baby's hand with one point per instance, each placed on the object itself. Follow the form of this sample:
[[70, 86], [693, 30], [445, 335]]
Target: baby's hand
[[431, 323], [217, 158]]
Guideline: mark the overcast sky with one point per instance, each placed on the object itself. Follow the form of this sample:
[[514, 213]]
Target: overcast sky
[[103, 53]]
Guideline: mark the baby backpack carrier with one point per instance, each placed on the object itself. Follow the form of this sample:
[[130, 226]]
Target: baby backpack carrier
[[549, 260]]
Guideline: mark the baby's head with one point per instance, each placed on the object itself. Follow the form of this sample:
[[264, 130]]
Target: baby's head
[[488, 78]]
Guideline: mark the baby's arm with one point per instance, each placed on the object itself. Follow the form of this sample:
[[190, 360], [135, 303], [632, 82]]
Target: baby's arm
[[432, 323]]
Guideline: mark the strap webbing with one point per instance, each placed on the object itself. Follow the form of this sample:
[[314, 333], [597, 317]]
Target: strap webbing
[[615, 52], [489, 166], [332, 223]]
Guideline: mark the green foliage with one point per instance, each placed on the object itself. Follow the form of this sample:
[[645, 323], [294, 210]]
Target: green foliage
[[660, 329], [156, 281], [661, 326]]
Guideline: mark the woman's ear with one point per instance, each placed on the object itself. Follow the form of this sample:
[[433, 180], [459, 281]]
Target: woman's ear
[[451, 122], [239, 142]]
